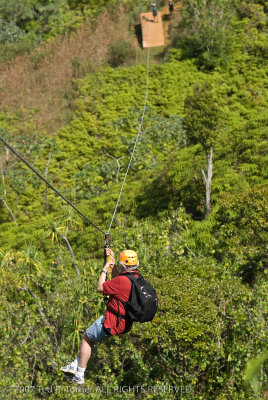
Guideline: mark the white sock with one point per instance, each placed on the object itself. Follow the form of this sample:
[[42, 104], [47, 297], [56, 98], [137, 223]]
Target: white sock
[[74, 363], [80, 371]]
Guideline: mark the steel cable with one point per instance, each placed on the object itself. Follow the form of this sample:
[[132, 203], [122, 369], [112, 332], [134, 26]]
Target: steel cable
[[49, 184], [137, 137]]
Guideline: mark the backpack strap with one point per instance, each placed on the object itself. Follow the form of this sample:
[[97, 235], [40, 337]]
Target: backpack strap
[[119, 315], [131, 277]]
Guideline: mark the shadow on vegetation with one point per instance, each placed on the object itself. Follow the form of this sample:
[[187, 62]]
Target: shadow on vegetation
[[138, 33], [166, 17], [162, 54], [161, 195], [249, 271]]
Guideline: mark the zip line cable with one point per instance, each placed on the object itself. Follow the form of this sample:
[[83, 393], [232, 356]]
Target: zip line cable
[[51, 187], [126, 174], [137, 137]]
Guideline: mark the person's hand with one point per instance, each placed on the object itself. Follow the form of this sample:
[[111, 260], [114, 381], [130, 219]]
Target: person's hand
[[107, 266], [109, 253]]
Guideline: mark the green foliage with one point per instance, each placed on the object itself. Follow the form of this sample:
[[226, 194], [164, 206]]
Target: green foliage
[[82, 4], [10, 32], [10, 50], [252, 371], [210, 275], [242, 232], [121, 52], [202, 117], [206, 31], [17, 12], [26, 23]]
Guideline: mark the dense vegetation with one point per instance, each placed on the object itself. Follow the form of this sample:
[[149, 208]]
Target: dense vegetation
[[207, 110], [26, 23]]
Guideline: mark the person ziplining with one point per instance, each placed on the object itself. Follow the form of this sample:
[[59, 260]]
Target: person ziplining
[[131, 298]]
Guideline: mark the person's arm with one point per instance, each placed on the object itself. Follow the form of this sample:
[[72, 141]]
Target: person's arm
[[102, 277], [104, 271]]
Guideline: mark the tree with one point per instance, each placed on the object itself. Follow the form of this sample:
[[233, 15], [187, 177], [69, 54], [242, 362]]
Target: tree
[[17, 12], [121, 52], [201, 124], [206, 30], [242, 228]]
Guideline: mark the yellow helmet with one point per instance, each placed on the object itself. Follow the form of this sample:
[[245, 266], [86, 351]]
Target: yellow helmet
[[128, 257]]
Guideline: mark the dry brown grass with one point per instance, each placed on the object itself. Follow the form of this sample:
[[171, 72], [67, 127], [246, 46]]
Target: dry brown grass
[[43, 80]]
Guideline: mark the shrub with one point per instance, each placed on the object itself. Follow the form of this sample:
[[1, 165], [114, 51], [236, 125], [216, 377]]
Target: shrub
[[120, 52]]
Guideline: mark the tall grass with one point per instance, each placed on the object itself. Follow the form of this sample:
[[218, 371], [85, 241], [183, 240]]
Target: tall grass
[[43, 80]]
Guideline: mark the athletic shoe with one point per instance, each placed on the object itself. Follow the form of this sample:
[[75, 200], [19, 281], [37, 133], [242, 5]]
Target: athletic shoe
[[79, 380], [69, 369]]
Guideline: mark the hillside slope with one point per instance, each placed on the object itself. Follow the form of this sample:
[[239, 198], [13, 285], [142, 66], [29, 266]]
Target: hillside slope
[[41, 84], [209, 269]]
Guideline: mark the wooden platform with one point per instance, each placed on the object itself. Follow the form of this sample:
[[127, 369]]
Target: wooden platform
[[152, 31]]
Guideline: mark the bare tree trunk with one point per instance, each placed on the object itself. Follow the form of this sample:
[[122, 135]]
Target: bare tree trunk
[[70, 249], [118, 165], [41, 311], [33, 370], [8, 209], [207, 180], [5, 193]]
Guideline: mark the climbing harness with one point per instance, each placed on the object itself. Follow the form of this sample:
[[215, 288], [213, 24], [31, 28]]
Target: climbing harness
[[106, 246]]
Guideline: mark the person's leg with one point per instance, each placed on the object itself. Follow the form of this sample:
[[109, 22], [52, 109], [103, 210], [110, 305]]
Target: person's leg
[[85, 351], [95, 333], [84, 355]]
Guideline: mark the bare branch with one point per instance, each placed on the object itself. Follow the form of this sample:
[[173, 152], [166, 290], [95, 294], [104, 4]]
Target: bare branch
[[5, 193], [33, 370], [208, 179], [66, 161], [7, 154], [69, 248], [37, 157], [210, 165], [41, 312], [118, 164], [48, 162], [10, 212], [204, 176], [3, 179]]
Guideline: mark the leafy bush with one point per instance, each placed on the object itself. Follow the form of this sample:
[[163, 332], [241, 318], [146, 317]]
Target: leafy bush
[[11, 50], [210, 275], [206, 31], [120, 53], [10, 32]]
